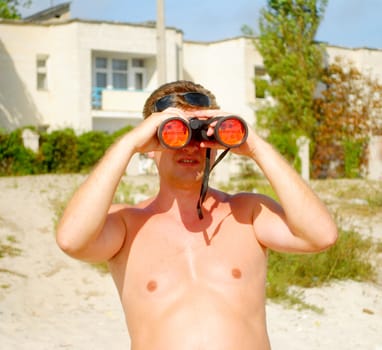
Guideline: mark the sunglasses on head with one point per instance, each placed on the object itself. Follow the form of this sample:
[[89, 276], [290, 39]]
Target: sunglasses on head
[[192, 98]]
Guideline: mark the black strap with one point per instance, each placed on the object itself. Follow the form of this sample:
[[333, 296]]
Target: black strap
[[206, 176]]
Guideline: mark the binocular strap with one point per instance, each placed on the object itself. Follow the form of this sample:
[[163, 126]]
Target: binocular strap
[[206, 176]]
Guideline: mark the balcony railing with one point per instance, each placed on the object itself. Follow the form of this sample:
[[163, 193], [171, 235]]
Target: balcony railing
[[118, 100], [97, 97]]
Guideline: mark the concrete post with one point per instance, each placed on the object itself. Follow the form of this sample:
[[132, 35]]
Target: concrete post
[[375, 158], [303, 153], [31, 140], [161, 43]]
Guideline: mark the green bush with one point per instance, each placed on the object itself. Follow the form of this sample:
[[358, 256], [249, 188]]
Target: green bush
[[59, 152], [261, 86], [285, 144], [15, 159], [353, 151], [347, 259], [91, 147]]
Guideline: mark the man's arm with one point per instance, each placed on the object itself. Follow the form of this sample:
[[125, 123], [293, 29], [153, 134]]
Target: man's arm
[[89, 229], [301, 223]]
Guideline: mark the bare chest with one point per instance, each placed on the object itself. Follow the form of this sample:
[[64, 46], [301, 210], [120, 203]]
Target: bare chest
[[164, 257]]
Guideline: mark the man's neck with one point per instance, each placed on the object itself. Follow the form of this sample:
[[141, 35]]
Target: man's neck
[[181, 201]]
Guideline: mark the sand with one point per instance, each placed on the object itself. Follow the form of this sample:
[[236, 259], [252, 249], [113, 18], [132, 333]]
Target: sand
[[50, 301]]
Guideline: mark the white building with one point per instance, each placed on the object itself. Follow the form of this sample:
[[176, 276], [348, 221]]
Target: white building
[[60, 72]]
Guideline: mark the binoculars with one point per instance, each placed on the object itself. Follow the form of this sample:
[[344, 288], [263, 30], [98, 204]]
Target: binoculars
[[229, 131]]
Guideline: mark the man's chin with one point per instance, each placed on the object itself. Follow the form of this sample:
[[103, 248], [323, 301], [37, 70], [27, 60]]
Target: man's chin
[[190, 179]]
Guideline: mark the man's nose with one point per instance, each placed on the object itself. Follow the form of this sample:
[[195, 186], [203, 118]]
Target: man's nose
[[192, 146]]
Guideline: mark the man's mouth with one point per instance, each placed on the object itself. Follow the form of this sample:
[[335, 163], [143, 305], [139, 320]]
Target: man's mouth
[[188, 161]]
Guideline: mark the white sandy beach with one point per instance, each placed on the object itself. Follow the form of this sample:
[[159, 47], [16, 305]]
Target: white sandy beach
[[50, 301]]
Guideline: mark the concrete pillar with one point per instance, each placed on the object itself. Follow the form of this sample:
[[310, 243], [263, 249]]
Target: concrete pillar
[[303, 153], [31, 140], [375, 158]]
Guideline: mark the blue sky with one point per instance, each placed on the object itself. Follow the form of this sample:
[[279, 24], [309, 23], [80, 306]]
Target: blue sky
[[350, 23]]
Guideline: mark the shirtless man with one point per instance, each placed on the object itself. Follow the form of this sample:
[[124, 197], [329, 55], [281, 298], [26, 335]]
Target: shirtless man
[[187, 283]]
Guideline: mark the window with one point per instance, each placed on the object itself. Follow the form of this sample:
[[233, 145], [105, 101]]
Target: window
[[101, 63], [137, 62], [260, 71], [42, 72], [101, 72], [119, 73], [138, 81], [119, 69], [261, 82], [138, 73]]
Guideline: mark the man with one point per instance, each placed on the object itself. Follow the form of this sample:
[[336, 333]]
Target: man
[[187, 282]]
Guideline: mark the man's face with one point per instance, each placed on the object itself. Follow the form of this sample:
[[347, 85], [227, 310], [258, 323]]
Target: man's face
[[182, 166]]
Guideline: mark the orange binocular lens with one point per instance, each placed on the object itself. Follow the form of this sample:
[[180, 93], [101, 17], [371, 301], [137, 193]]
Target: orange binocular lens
[[174, 133], [229, 131]]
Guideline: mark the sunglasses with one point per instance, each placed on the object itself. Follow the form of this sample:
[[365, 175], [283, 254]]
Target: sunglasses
[[192, 98]]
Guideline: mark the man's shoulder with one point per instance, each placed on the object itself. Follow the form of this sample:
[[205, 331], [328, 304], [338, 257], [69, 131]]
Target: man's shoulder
[[242, 196], [242, 201], [127, 208]]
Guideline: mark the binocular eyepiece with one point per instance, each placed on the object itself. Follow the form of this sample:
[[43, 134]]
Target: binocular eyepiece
[[229, 131]]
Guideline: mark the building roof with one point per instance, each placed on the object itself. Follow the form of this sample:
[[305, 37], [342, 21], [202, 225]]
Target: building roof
[[50, 13]]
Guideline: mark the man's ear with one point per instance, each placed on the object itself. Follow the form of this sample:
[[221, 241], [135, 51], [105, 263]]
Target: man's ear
[[150, 154]]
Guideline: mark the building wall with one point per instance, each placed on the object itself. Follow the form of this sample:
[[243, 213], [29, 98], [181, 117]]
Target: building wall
[[225, 68], [58, 105], [69, 48], [368, 61], [17, 67]]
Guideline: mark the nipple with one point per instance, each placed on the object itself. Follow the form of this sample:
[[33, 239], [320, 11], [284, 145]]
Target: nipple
[[151, 286], [236, 273]]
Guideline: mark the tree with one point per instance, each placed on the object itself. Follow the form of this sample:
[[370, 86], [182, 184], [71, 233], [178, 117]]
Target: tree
[[293, 61], [348, 111], [9, 8]]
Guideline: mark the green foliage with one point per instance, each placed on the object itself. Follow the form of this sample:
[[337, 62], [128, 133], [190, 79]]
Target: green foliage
[[347, 112], [339, 121], [247, 30], [59, 152], [352, 158], [348, 259], [261, 87], [15, 159], [284, 143], [91, 147], [9, 8], [293, 60]]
